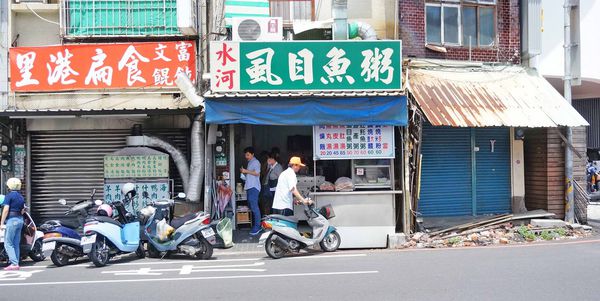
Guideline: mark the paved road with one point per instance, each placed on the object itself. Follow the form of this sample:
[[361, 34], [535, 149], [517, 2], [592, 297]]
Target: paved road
[[557, 271]]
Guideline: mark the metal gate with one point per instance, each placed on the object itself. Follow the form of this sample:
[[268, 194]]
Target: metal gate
[[69, 164], [460, 173]]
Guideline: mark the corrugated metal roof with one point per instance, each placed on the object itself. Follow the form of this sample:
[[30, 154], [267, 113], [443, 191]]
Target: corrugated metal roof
[[489, 96], [262, 94]]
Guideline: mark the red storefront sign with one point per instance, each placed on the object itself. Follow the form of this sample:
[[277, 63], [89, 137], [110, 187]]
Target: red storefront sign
[[101, 66]]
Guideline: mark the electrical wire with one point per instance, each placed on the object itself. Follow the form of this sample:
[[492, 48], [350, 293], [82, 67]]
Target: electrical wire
[[42, 18]]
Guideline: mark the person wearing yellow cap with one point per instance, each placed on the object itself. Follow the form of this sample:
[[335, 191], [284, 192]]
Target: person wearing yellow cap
[[283, 201]]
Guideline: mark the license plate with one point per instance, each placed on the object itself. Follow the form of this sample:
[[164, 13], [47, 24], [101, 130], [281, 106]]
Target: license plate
[[88, 240], [208, 232], [49, 246]]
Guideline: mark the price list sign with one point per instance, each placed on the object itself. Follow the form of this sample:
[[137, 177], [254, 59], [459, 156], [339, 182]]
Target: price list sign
[[337, 142]]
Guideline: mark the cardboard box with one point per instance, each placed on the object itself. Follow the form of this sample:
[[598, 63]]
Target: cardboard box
[[243, 217]]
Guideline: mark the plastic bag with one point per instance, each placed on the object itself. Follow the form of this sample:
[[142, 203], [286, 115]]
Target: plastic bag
[[225, 230], [327, 186], [344, 184], [163, 230]]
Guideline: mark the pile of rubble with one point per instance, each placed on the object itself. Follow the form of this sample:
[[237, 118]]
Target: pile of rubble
[[495, 233]]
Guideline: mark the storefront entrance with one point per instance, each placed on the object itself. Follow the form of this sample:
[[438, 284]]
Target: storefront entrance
[[466, 171]]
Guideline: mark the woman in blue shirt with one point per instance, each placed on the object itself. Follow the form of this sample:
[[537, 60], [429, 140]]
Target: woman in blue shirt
[[12, 222]]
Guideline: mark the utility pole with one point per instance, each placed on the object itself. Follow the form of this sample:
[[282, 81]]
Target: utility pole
[[571, 14]]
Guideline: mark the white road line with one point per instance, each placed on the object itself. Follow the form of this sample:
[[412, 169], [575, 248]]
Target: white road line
[[87, 264], [191, 278], [326, 256], [191, 267], [144, 272]]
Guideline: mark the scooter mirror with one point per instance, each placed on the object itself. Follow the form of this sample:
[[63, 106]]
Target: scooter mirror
[[98, 202], [62, 202], [181, 195]]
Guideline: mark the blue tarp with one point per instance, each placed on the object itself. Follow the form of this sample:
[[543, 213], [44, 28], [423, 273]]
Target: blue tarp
[[309, 111]]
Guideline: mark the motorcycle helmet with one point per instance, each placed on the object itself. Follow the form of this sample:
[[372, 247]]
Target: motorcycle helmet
[[129, 188], [104, 210]]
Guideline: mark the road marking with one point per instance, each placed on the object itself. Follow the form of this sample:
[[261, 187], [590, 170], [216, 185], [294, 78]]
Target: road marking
[[327, 256], [87, 264], [192, 278], [16, 275], [188, 269]]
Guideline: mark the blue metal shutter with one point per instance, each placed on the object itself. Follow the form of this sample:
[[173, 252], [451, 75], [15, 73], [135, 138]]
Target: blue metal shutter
[[493, 171], [446, 172]]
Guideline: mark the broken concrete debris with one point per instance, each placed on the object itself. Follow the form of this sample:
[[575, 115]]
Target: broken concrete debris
[[491, 232]]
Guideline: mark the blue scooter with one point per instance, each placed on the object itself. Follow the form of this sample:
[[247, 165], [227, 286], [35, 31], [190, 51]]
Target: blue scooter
[[62, 241], [282, 235], [106, 237], [192, 234]]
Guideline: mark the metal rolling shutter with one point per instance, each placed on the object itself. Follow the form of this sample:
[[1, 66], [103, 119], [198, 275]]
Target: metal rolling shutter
[[69, 164], [493, 171], [446, 175]]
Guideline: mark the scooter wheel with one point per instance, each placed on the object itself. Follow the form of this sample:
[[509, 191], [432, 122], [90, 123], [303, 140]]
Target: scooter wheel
[[206, 249], [152, 251], [272, 249], [59, 259], [100, 252], [331, 242], [140, 252], [36, 254]]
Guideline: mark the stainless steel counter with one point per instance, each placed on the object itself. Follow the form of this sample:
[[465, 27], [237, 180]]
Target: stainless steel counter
[[364, 219]]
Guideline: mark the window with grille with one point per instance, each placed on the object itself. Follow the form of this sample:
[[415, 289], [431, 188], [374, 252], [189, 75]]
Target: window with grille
[[291, 10], [107, 18], [461, 23]]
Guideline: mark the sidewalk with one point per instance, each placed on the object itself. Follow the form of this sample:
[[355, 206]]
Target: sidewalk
[[243, 243]]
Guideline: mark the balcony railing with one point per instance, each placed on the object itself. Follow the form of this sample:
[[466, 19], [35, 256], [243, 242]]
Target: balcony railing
[[129, 18]]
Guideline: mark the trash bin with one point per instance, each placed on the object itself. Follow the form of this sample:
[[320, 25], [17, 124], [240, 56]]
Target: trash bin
[[225, 230]]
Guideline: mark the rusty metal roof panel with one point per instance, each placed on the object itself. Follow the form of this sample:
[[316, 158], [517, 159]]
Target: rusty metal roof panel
[[490, 96]]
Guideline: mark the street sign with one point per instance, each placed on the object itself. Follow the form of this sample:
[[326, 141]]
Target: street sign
[[306, 65]]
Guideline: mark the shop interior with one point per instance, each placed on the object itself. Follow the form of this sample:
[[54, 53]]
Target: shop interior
[[343, 175]]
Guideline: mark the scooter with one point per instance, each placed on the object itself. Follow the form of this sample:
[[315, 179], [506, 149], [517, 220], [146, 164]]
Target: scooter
[[31, 241], [191, 234], [106, 237], [62, 241], [282, 236]]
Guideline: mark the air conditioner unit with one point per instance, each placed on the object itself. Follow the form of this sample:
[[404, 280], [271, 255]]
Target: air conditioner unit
[[257, 29]]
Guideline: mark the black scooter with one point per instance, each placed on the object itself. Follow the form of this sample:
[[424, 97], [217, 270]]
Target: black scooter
[[62, 237]]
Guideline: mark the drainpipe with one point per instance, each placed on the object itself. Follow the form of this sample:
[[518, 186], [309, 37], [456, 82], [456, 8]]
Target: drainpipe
[[363, 30], [339, 10], [4, 11]]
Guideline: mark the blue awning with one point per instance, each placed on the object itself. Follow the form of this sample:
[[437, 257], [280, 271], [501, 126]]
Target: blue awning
[[309, 111]]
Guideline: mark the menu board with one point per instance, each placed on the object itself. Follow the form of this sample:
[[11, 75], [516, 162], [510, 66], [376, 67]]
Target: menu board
[[156, 190], [145, 166], [337, 142]]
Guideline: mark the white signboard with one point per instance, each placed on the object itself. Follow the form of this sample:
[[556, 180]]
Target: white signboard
[[337, 142]]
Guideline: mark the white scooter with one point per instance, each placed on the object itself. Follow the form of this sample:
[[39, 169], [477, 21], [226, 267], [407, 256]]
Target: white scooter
[[284, 236], [31, 241]]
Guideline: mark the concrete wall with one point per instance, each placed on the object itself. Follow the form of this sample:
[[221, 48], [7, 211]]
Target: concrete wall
[[551, 62], [108, 123], [34, 31], [412, 32]]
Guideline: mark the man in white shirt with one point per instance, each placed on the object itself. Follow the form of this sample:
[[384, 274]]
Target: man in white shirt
[[283, 202]]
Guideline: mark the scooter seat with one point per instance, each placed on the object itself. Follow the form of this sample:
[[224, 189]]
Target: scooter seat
[[66, 223], [283, 217], [105, 219], [179, 221]]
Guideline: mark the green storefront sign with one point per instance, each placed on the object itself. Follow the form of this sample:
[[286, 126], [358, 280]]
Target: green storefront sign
[[151, 166], [306, 65]]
